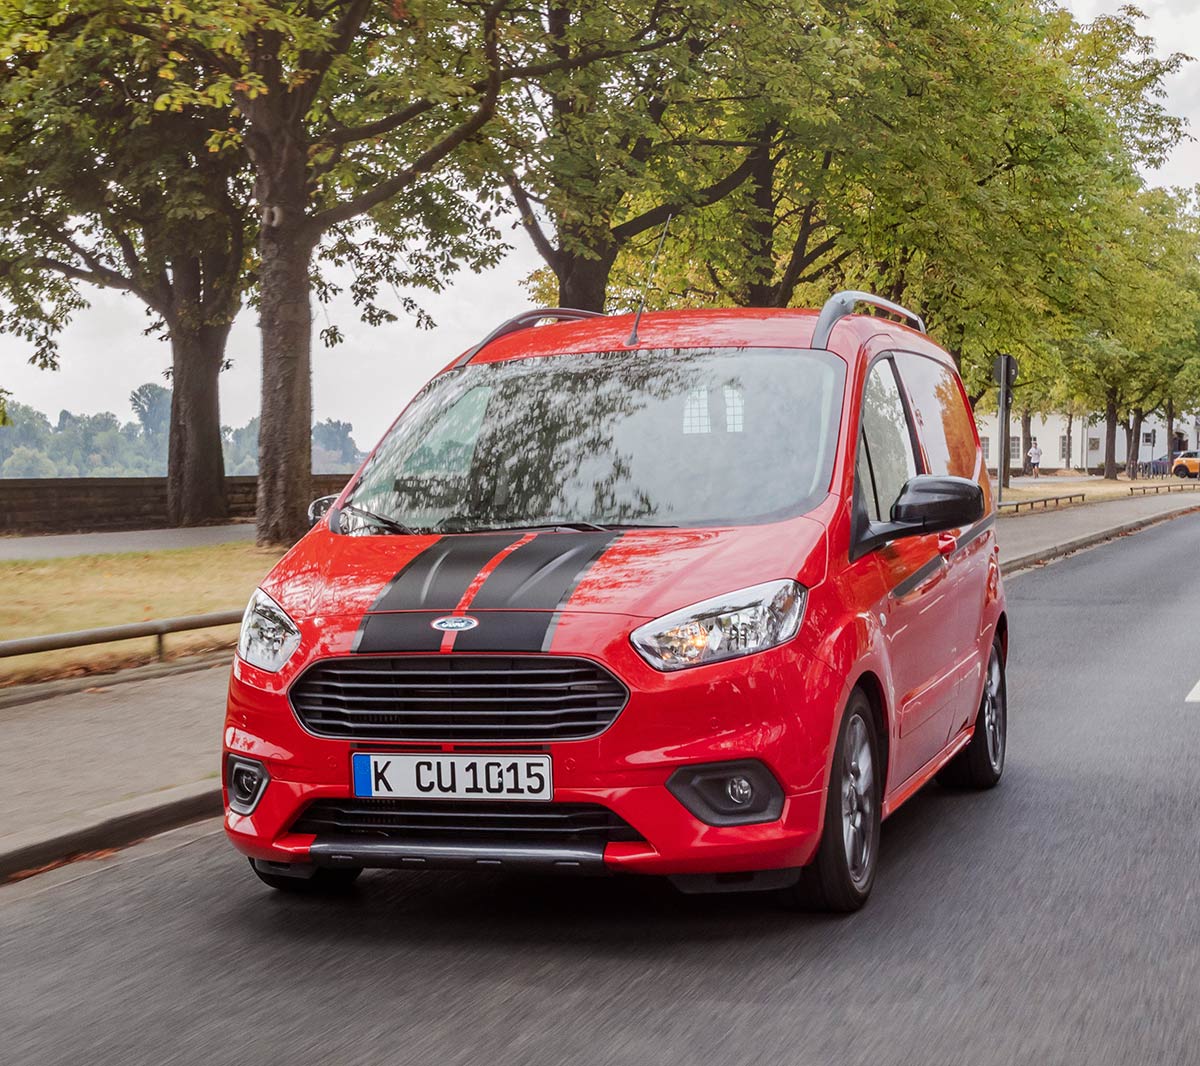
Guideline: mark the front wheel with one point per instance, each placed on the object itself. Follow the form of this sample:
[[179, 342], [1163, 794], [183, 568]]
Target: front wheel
[[1182, 471], [981, 763], [842, 873]]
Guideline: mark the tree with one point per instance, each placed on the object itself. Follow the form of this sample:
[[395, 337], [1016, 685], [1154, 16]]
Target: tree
[[152, 405], [334, 438], [25, 462], [98, 187], [593, 157], [351, 112]]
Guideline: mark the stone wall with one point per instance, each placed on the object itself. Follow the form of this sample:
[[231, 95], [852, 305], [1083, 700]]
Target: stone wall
[[90, 504]]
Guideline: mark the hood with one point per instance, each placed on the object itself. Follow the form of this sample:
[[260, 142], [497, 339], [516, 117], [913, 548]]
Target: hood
[[398, 586]]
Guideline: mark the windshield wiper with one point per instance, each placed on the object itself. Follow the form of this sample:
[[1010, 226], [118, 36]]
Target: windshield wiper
[[459, 523], [390, 524]]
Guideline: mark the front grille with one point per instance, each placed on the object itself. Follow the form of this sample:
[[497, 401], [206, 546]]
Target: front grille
[[457, 697], [437, 821]]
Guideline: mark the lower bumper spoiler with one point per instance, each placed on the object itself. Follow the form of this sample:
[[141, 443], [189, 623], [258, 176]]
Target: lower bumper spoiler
[[417, 854]]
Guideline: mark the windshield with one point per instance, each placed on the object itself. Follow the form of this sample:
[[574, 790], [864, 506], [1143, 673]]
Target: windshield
[[674, 437]]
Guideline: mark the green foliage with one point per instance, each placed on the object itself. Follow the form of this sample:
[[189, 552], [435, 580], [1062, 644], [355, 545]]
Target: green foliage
[[97, 187], [152, 405], [102, 446], [977, 161], [332, 443], [77, 446]]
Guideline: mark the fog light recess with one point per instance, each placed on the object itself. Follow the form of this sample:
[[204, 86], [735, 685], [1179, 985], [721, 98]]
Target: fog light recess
[[245, 782], [730, 793]]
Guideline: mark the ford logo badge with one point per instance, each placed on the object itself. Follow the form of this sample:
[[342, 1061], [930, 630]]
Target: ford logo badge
[[454, 623]]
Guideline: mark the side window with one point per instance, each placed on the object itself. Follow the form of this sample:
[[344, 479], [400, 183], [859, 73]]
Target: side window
[[885, 454], [944, 424]]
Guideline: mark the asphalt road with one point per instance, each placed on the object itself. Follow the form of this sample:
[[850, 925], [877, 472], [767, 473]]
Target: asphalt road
[[1052, 921]]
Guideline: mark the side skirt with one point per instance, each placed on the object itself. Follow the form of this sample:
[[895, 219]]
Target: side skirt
[[927, 772]]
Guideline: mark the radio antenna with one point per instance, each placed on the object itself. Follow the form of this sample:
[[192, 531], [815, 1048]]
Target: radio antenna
[[633, 335]]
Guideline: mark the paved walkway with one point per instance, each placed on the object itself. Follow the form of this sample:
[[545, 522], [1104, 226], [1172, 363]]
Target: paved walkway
[[110, 754], [73, 764], [62, 545], [1038, 531]]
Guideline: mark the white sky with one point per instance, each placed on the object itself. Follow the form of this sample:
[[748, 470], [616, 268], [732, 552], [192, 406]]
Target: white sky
[[367, 379]]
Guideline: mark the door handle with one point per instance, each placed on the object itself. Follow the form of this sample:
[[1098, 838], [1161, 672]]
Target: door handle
[[947, 544]]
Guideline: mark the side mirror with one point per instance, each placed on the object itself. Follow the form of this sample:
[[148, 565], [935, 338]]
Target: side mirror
[[934, 503], [928, 503], [319, 508]]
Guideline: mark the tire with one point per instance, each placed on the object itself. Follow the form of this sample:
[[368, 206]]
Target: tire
[[325, 880], [1181, 471], [840, 877], [980, 764]]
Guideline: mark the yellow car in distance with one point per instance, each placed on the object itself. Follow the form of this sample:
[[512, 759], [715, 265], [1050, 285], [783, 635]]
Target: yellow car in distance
[[1186, 464]]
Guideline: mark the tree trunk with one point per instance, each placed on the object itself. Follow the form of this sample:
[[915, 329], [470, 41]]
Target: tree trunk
[[1134, 450], [759, 234], [1026, 440], [1070, 427], [195, 463], [1110, 435], [583, 280], [285, 430], [1170, 433]]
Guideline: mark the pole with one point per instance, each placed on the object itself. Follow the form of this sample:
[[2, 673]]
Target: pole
[[1000, 469]]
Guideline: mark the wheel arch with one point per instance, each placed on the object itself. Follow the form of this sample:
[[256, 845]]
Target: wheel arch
[[1002, 633], [872, 688]]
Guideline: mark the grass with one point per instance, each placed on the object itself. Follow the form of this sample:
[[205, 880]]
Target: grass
[[88, 591], [1096, 488]]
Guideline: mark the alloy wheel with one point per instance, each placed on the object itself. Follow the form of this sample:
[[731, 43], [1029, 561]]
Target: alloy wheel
[[858, 802], [995, 718]]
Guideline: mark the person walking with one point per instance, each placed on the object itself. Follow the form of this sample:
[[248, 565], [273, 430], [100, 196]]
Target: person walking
[[1035, 458]]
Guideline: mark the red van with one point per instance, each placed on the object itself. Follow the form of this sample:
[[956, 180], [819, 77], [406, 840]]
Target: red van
[[705, 595]]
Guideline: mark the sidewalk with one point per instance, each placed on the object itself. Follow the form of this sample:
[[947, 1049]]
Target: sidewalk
[[1034, 536], [62, 545], [107, 765], [121, 759]]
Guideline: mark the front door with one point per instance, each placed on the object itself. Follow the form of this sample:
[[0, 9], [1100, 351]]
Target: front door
[[920, 621]]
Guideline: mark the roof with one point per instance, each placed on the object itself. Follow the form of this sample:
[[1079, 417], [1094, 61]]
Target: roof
[[722, 328]]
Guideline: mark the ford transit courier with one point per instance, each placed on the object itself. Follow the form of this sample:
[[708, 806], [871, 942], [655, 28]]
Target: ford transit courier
[[705, 596]]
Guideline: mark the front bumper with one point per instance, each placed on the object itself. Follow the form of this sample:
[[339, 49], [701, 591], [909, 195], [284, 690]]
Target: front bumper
[[778, 708]]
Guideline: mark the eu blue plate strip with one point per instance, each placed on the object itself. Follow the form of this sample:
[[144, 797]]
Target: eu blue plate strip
[[362, 775]]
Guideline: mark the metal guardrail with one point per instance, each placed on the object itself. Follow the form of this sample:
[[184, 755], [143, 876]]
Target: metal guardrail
[[1044, 501], [83, 637], [1156, 489]]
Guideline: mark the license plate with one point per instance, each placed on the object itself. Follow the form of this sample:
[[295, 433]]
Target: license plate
[[512, 777]]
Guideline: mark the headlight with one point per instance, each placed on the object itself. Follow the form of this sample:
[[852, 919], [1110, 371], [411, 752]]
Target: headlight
[[724, 627], [268, 635]]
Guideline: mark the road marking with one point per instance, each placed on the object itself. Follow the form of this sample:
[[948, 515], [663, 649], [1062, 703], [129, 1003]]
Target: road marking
[[1194, 695]]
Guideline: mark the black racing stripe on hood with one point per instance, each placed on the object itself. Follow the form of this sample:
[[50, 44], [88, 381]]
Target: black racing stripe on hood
[[506, 631], [399, 631], [519, 605], [541, 575], [437, 578]]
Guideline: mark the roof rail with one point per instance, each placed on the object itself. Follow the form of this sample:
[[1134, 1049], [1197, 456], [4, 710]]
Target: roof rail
[[841, 304], [525, 320]]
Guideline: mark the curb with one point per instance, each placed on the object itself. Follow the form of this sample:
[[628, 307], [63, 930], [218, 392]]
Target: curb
[[18, 695], [1046, 555], [111, 826]]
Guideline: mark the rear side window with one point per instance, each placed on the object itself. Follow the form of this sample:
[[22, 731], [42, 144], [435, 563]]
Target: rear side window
[[943, 423], [885, 453]]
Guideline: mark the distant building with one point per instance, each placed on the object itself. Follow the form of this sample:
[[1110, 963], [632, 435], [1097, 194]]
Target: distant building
[[1062, 446]]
